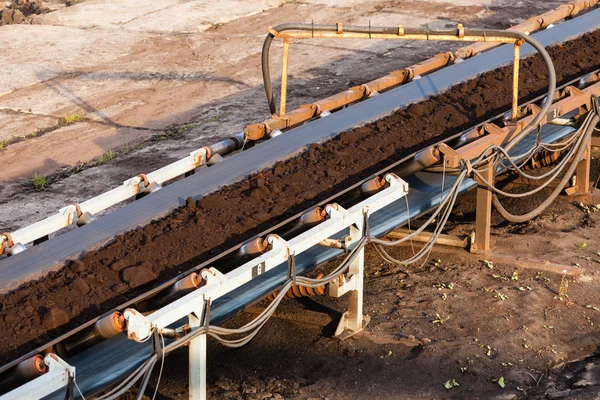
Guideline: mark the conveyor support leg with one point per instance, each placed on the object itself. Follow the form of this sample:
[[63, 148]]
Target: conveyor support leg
[[582, 174], [483, 213], [197, 363], [583, 191], [353, 321]]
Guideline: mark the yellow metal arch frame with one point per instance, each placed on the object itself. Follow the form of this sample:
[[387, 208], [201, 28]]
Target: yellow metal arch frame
[[401, 34]]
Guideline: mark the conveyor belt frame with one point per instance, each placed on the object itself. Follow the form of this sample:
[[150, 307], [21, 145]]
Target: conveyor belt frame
[[140, 327]]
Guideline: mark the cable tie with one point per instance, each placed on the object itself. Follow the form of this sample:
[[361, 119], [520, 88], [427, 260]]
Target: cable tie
[[366, 230], [69, 394], [156, 346], [596, 104], [469, 167], [291, 274], [538, 139], [207, 304]]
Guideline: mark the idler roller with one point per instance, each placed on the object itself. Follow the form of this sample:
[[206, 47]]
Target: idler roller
[[257, 246], [24, 372], [313, 216], [297, 291], [226, 146], [214, 159], [557, 96], [588, 80], [542, 159], [10, 247], [372, 186], [182, 287], [148, 187], [83, 218], [16, 249], [306, 221], [103, 329], [468, 137], [367, 189]]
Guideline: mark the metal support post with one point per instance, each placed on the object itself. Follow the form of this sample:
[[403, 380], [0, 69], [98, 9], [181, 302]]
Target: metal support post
[[582, 174], [483, 213], [284, 76], [583, 191], [515, 98], [197, 362], [353, 321]]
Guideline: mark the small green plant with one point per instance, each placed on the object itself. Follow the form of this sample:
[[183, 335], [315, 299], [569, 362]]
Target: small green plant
[[174, 132], [3, 144], [217, 117], [450, 383], [440, 320], [71, 119], [589, 209], [500, 296], [515, 276], [106, 157], [80, 167], [488, 264], [500, 382], [40, 182], [441, 285]]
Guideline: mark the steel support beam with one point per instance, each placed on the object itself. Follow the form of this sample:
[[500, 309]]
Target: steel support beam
[[197, 372], [353, 321], [483, 213]]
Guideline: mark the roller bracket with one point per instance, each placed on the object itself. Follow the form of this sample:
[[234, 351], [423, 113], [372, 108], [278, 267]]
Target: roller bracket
[[139, 327], [59, 375], [254, 132], [451, 156]]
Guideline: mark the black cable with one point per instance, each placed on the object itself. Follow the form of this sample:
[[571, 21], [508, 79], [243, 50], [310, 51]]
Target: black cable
[[394, 30], [590, 124]]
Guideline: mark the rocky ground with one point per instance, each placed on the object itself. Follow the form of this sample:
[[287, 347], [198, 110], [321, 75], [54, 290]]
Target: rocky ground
[[20, 11]]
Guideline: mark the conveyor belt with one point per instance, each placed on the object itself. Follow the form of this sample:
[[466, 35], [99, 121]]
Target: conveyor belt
[[111, 360], [52, 254]]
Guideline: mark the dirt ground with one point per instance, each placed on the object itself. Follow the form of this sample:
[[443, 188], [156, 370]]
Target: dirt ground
[[502, 322]]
